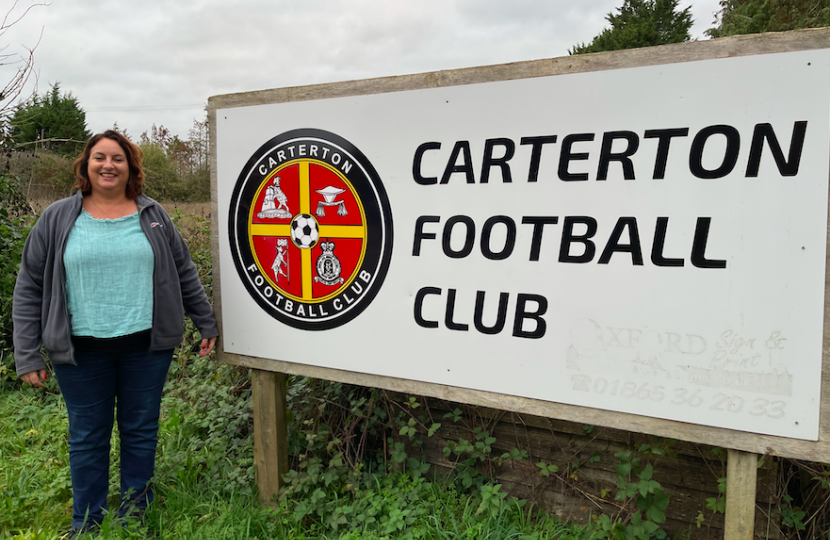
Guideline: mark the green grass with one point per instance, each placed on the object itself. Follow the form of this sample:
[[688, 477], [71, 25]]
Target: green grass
[[34, 456], [205, 469]]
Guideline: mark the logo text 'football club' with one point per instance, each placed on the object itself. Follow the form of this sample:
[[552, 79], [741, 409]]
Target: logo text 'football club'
[[310, 229]]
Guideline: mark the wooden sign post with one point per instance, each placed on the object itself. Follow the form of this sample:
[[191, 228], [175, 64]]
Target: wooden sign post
[[741, 475], [643, 233], [270, 432]]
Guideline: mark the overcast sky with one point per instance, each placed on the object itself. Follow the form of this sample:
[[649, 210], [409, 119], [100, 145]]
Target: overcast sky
[[157, 61]]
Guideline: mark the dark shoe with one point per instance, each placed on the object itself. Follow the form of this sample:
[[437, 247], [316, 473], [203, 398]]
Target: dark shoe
[[76, 533]]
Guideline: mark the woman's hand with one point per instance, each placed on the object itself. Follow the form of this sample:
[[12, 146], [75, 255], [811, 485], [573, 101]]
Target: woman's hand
[[36, 378], [207, 346]]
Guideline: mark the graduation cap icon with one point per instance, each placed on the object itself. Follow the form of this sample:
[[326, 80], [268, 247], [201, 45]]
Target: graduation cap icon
[[329, 194]]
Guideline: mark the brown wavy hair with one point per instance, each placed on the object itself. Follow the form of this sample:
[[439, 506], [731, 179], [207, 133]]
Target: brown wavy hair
[[134, 157]]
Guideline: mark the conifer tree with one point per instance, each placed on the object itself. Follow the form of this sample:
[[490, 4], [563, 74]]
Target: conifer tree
[[54, 120], [641, 23], [757, 16]]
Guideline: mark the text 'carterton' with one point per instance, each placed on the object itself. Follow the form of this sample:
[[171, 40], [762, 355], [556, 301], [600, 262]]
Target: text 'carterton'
[[577, 147]]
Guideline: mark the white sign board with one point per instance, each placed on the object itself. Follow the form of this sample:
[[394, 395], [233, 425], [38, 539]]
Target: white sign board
[[647, 240]]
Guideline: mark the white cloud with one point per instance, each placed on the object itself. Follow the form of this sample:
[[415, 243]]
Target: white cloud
[[155, 61]]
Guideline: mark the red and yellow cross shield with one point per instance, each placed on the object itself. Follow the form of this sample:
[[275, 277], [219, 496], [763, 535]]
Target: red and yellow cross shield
[[310, 229], [301, 182]]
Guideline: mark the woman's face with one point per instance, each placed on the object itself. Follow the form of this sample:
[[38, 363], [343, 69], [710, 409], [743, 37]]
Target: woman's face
[[108, 168]]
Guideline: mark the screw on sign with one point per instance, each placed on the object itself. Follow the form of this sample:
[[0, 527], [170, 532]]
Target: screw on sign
[[306, 267]]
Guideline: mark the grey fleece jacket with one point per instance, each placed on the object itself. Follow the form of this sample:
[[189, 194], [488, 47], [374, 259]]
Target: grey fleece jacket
[[40, 314]]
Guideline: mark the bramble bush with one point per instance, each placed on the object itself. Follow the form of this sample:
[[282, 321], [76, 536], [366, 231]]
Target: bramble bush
[[15, 222]]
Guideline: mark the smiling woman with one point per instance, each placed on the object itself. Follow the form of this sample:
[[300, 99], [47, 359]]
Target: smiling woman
[[108, 170], [104, 280], [109, 194]]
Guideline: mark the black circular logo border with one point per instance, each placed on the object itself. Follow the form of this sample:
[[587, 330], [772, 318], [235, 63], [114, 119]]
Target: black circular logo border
[[377, 210]]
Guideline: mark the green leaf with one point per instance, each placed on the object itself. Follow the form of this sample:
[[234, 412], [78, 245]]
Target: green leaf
[[661, 500], [656, 515], [650, 526]]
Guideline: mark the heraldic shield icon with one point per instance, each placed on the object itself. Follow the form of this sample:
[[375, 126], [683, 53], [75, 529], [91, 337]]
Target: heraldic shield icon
[[310, 229]]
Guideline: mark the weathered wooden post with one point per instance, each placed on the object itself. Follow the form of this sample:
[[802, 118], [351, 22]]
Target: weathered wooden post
[[741, 475], [270, 433]]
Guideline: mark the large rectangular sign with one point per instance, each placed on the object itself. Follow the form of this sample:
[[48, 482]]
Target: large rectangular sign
[[647, 240]]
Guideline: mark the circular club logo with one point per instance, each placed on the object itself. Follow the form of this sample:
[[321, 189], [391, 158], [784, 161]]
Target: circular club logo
[[310, 229]]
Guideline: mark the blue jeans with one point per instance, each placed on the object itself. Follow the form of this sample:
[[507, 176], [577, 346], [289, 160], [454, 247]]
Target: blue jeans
[[134, 381]]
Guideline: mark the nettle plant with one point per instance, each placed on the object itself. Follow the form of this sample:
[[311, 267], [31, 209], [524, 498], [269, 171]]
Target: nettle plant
[[342, 443], [358, 462], [358, 458], [641, 501]]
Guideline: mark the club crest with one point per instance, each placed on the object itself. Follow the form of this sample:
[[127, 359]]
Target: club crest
[[300, 196]]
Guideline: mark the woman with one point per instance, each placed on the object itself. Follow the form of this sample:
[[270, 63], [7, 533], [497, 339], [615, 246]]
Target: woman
[[104, 281]]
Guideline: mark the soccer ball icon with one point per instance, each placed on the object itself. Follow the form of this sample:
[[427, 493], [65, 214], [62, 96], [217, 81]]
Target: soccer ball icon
[[304, 231]]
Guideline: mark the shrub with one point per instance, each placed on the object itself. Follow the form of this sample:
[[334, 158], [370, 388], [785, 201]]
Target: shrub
[[42, 175], [15, 222], [161, 182]]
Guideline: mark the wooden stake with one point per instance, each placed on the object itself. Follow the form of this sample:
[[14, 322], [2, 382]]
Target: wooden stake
[[270, 432], [741, 478]]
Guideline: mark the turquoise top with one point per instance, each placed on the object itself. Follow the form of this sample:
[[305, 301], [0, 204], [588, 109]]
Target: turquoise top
[[109, 277]]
